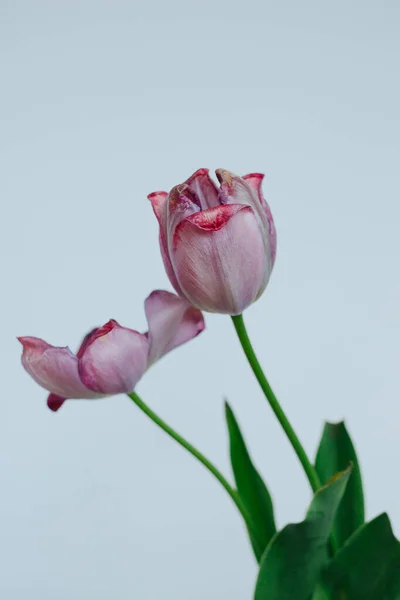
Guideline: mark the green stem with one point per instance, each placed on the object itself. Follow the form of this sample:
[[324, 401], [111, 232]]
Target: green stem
[[200, 457], [310, 471]]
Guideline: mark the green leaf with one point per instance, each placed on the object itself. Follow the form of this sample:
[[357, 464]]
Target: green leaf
[[321, 593], [366, 568], [292, 563], [251, 488], [335, 452]]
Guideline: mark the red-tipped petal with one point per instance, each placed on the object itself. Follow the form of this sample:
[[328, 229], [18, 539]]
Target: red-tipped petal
[[55, 402], [220, 259], [55, 369], [172, 321], [255, 181], [114, 359], [160, 207], [180, 204], [247, 190], [157, 200]]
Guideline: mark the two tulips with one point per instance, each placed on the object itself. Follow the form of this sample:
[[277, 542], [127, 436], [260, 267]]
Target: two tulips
[[218, 245]]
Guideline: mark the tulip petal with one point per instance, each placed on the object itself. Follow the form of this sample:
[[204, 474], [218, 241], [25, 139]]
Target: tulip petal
[[160, 206], [157, 200], [55, 402], [172, 322], [181, 203], [167, 263], [220, 260], [114, 359], [255, 180], [236, 190], [55, 369], [205, 189]]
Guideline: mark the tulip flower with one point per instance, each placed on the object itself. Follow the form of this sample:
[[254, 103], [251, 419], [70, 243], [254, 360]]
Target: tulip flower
[[218, 244], [111, 359]]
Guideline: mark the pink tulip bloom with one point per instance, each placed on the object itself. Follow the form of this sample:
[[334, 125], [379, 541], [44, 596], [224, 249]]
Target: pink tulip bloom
[[111, 359], [218, 244]]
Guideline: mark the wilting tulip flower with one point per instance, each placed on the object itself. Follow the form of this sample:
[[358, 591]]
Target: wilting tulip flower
[[218, 244], [111, 359]]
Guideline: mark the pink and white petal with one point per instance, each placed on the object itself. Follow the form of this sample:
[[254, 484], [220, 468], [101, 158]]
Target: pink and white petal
[[236, 190], [114, 360], [220, 260], [159, 204], [205, 189], [157, 200], [255, 180], [55, 369], [169, 211], [172, 321], [167, 263]]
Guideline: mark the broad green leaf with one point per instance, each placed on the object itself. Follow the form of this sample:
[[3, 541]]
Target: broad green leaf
[[251, 488], [335, 452], [366, 568], [321, 593], [292, 563]]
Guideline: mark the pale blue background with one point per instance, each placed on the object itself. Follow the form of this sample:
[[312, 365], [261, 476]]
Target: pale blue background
[[101, 103]]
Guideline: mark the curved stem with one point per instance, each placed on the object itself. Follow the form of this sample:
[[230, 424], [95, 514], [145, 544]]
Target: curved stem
[[200, 457], [310, 471]]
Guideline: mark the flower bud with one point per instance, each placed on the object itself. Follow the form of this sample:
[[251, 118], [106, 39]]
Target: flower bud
[[218, 244]]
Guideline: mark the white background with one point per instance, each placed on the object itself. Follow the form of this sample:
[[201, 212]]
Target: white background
[[103, 102]]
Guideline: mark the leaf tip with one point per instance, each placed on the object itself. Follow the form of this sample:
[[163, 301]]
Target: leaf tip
[[341, 474]]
